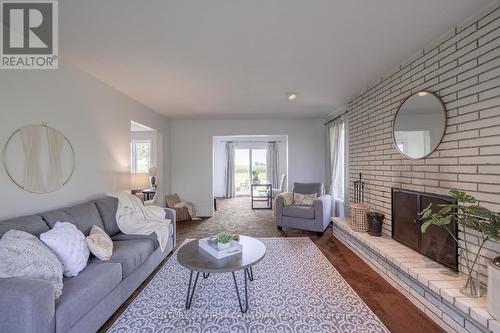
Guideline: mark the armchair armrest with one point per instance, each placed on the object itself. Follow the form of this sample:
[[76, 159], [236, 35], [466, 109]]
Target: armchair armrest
[[170, 214], [284, 198], [26, 305], [323, 209], [279, 202]]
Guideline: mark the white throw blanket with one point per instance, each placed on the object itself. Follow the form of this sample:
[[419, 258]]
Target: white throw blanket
[[133, 218]]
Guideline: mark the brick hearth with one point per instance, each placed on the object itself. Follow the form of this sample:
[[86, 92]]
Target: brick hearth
[[432, 287]]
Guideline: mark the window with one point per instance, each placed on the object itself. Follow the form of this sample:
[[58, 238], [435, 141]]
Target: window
[[141, 156], [242, 171], [249, 167]]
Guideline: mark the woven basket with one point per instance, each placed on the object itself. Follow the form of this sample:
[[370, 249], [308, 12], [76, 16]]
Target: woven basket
[[359, 217], [181, 213]]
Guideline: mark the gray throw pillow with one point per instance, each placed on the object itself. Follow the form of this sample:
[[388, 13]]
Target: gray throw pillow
[[23, 255]]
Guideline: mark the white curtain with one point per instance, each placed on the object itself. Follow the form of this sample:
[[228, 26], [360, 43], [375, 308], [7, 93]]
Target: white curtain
[[229, 190], [54, 173], [31, 137], [272, 164], [336, 143]]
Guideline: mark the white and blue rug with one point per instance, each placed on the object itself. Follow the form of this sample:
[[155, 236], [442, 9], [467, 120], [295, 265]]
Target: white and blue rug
[[295, 289]]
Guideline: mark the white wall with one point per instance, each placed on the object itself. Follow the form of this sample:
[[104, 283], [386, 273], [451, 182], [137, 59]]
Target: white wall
[[219, 153], [192, 151], [93, 116]]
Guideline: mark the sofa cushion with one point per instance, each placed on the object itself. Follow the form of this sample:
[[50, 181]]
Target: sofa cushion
[[123, 237], [107, 207], [83, 292], [129, 253], [83, 216], [305, 212], [308, 188], [32, 224]]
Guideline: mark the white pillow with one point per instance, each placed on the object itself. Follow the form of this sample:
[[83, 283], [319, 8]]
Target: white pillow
[[99, 243], [22, 255], [300, 199], [69, 245]]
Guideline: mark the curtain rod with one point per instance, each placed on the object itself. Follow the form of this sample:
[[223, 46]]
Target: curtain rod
[[337, 117], [251, 141]]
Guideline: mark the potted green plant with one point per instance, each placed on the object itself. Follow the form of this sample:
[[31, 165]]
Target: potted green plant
[[224, 240], [469, 216], [255, 178]]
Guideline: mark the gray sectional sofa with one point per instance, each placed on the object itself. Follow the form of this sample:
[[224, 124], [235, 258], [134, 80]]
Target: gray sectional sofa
[[89, 299]]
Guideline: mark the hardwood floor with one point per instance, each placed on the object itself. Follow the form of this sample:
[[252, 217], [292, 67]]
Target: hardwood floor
[[235, 215]]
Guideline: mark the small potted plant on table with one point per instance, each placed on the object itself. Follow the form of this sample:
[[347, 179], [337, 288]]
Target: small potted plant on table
[[224, 240], [469, 216]]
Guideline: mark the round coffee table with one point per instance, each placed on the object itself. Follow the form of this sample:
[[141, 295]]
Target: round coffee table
[[194, 258]]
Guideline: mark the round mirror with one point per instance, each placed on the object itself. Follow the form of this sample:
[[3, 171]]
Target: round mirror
[[39, 158], [419, 125]]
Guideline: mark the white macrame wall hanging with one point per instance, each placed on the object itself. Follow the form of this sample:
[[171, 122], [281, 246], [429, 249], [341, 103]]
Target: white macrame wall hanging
[[39, 158]]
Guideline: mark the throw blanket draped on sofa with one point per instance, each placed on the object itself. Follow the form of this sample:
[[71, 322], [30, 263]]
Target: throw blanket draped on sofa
[[133, 218]]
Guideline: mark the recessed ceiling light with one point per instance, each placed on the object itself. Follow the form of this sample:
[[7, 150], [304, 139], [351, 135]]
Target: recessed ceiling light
[[292, 96], [422, 93]]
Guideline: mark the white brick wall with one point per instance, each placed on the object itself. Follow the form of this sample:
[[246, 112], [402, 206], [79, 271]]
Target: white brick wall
[[463, 68]]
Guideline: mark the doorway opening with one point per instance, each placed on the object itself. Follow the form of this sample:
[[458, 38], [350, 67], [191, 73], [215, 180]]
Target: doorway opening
[[144, 158], [242, 162]]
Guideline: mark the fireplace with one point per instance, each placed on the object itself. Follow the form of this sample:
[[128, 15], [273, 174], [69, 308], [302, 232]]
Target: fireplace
[[436, 243]]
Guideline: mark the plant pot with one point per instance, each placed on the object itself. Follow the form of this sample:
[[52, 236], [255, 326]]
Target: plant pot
[[375, 221], [223, 246], [494, 288]]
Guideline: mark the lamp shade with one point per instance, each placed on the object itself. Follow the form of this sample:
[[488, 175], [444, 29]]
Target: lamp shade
[[152, 171], [139, 181]]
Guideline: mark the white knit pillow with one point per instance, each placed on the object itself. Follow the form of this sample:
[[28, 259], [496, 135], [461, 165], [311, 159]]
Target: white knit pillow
[[22, 255], [69, 245], [99, 243], [300, 199]]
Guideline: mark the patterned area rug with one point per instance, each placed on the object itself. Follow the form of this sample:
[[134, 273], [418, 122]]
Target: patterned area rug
[[295, 289]]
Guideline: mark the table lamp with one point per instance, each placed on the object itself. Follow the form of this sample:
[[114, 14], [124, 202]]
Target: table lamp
[[139, 181], [152, 176]]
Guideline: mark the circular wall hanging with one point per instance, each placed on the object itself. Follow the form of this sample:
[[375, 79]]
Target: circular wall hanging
[[419, 125], [39, 158]]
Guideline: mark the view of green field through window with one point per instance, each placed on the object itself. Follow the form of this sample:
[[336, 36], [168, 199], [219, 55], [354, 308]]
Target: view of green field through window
[[249, 167]]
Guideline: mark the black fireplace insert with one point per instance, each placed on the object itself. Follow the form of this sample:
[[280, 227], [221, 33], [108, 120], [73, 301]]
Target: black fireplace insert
[[436, 243]]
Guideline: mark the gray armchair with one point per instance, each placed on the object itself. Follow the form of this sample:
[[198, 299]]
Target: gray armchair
[[313, 218]]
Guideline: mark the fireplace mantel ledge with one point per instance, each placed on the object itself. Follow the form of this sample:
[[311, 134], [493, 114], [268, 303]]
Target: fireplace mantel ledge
[[432, 276]]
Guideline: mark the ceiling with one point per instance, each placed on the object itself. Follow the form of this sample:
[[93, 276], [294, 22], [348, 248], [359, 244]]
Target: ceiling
[[239, 58]]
